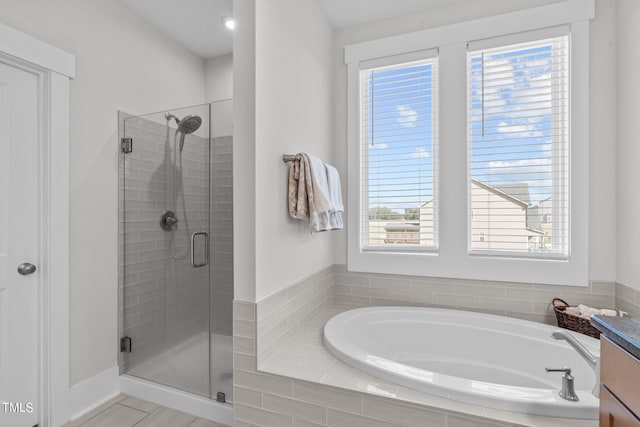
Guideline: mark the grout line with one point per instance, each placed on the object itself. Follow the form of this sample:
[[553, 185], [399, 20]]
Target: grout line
[[122, 396], [143, 418]]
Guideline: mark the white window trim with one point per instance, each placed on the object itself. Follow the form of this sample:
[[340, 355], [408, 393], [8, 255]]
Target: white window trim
[[452, 259]]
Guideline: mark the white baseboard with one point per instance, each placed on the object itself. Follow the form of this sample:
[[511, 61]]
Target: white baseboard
[[93, 392], [177, 399]]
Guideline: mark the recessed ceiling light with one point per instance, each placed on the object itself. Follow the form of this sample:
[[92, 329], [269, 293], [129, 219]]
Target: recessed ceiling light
[[229, 22]]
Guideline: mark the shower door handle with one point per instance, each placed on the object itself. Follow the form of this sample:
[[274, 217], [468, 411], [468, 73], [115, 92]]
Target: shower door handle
[[206, 248]]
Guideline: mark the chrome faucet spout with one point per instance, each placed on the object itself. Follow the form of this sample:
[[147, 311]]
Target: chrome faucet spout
[[590, 358], [577, 346]]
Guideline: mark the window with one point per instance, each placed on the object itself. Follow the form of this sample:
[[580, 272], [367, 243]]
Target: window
[[518, 135], [398, 143], [468, 149]]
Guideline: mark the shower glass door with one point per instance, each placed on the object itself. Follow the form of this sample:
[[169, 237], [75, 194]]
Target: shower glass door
[[165, 248]]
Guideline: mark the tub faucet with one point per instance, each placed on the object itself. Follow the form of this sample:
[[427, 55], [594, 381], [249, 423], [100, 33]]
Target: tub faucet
[[592, 360], [568, 391]]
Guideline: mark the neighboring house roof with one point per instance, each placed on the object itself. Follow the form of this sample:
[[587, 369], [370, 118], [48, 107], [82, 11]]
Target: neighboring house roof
[[398, 226], [517, 193]]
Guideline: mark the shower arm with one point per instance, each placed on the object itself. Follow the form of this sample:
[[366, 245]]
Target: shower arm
[[169, 116]]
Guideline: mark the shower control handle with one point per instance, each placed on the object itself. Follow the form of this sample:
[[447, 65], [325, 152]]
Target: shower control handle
[[206, 249], [169, 221]]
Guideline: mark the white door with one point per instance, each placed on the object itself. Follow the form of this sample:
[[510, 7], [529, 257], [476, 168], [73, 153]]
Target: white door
[[18, 244]]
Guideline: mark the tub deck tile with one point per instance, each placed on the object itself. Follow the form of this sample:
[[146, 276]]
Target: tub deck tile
[[304, 357]]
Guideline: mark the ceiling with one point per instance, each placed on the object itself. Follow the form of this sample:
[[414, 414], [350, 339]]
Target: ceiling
[[197, 24]]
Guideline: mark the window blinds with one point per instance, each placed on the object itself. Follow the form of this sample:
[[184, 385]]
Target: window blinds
[[398, 152], [518, 136]]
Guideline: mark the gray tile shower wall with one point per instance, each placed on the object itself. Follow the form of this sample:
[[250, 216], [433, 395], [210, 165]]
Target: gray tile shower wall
[[628, 299], [282, 314], [221, 239], [163, 300], [527, 301]]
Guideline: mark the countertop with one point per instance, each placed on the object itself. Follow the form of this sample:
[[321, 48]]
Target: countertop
[[624, 331]]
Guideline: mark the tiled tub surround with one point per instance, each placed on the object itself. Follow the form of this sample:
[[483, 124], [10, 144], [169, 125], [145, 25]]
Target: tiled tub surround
[[301, 384], [628, 299], [528, 301], [283, 314]]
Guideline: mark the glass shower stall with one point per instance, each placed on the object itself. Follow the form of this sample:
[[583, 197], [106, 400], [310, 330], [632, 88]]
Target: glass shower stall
[[176, 248]]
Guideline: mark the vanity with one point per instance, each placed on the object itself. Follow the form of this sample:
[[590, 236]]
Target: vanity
[[619, 370]]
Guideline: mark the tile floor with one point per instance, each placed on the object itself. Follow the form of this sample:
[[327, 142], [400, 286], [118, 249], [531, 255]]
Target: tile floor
[[128, 411]]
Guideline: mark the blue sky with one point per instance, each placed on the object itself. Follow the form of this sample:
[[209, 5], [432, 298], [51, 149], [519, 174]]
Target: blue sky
[[513, 141], [399, 148], [514, 145]]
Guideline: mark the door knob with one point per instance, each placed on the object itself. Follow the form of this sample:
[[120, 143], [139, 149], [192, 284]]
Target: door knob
[[26, 268]]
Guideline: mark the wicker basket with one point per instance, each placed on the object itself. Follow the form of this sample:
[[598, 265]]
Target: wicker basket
[[572, 322]]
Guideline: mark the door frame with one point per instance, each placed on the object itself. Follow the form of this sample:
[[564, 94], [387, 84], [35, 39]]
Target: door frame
[[54, 68]]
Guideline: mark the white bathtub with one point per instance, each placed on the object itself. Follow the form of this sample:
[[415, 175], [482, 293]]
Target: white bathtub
[[481, 359]]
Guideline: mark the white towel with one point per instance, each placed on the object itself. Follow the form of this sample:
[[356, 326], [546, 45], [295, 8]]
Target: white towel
[[586, 312], [320, 184], [335, 197]]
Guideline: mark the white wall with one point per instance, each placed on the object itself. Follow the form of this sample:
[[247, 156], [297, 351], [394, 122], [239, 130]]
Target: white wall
[[219, 78], [122, 63], [602, 123], [292, 76], [244, 152], [602, 144], [628, 149], [293, 114]]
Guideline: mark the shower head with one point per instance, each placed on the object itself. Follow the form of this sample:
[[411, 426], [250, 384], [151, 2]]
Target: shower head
[[187, 125]]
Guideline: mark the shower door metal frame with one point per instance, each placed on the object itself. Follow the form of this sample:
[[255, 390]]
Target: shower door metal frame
[[54, 68]]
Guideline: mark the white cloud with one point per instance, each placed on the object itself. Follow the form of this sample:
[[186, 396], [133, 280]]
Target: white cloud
[[522, 163], [532, 130], [420, 153], [407, 117]]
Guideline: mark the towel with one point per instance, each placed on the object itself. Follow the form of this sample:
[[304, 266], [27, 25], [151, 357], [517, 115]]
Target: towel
[[586, 312], [314, 193], [298, 200], [335, 197]]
